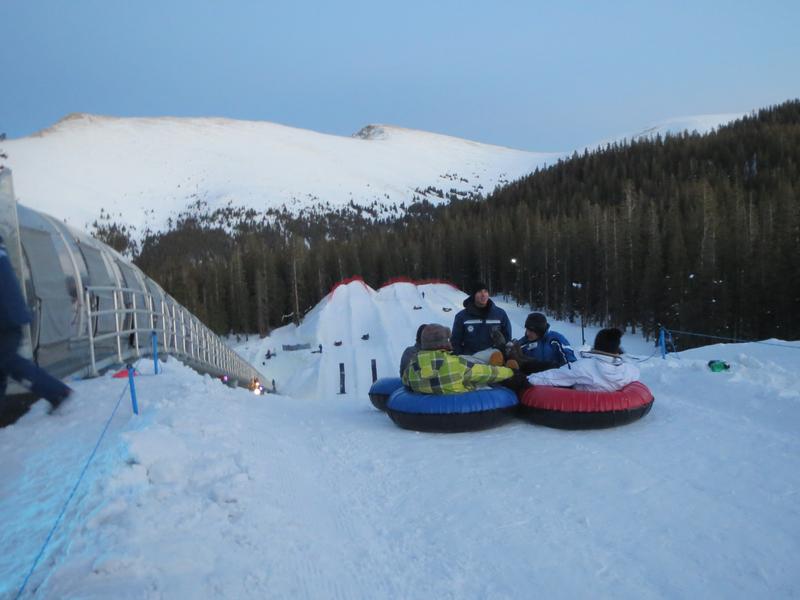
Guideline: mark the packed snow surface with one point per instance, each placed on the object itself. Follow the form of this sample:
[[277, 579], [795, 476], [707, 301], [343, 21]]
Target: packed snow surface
[[213, 492], [142, 171]]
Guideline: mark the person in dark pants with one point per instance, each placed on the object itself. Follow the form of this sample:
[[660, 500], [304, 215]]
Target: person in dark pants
[[13, 315]]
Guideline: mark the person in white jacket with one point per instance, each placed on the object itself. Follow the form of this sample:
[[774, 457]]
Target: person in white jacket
[[600, 369]]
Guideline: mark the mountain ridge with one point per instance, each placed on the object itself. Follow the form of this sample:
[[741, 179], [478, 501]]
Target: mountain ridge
[[144, 171]]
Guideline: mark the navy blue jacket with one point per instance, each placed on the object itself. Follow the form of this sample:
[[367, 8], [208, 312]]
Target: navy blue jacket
[[545, 349], [473, 326], [13, 310]]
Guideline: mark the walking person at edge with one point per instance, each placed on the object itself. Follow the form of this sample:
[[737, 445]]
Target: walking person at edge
[[13, 315]]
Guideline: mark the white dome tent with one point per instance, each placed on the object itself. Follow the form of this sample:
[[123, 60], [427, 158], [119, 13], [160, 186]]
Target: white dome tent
[[93, 309]]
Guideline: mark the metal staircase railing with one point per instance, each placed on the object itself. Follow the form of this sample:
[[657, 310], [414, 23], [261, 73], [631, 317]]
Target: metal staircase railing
[[178, 333]]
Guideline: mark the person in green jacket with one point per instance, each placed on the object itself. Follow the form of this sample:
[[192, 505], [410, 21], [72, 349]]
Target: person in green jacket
[[436, 370]]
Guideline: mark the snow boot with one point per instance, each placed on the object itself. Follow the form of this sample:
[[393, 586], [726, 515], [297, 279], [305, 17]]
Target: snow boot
[[496, 359]]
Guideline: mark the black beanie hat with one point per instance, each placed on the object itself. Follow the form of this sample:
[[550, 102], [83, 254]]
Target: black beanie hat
[[477, 287], [608, 340], [537, 323]]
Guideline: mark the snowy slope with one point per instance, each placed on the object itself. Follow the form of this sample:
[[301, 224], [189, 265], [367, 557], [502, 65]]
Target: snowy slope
[[213, 492], [143, 170], [701, 124], [217, 493]]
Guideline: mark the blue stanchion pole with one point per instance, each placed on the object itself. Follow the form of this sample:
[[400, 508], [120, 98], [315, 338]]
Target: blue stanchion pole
[[133, 390], [155, 353], [662, 342]]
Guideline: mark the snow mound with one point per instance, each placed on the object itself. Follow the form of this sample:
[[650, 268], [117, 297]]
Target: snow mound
[[357, 325]]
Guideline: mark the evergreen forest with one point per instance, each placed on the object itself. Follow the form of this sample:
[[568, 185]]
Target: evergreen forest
[[696, 232]]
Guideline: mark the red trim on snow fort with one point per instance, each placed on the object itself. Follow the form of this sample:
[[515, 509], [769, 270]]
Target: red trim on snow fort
[[567, 408], [391, 281], [358, 278], [394, 280]]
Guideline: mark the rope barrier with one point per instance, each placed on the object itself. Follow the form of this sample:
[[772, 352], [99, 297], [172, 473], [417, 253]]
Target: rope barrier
[[71, 495], [729, 339], [642, 360]]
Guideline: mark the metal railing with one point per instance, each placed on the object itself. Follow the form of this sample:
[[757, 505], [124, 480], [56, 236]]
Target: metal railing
[[178, 333]]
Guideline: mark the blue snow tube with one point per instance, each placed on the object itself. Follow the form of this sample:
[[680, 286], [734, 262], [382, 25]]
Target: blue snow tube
[[381, 390], [448, 413]]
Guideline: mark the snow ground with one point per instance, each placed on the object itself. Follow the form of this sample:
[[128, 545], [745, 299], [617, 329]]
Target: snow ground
[[213, 492]]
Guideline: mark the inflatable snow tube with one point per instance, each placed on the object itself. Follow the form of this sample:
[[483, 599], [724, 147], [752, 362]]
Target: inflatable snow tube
[[381, 390], [566, 408], [450, 413]]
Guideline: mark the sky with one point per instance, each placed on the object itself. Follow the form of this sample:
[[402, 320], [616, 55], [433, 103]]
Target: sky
[[532, 75]]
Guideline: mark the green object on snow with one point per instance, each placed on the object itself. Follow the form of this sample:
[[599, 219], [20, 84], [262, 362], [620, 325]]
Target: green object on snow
[[717, 366]]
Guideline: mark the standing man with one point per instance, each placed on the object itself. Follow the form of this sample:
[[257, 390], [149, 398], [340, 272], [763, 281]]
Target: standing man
[[13, 315], [473, 327]]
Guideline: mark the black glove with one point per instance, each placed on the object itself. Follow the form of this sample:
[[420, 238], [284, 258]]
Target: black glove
[[498, 339]]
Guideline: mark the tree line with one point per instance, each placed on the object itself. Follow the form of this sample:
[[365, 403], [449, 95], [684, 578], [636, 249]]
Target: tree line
[[695, 232]]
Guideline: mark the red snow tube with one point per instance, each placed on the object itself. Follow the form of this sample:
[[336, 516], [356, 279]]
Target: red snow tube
[[566, 408]]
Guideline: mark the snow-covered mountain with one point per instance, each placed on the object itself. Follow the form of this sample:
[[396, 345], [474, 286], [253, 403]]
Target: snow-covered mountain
[[701, 124], [143, 170]]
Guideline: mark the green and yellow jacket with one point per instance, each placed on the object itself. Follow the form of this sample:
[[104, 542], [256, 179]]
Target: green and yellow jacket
[[441, 372]]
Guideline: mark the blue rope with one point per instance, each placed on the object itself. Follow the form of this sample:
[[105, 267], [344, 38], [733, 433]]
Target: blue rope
[[728, 339], [69, 498], [642, 360]]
